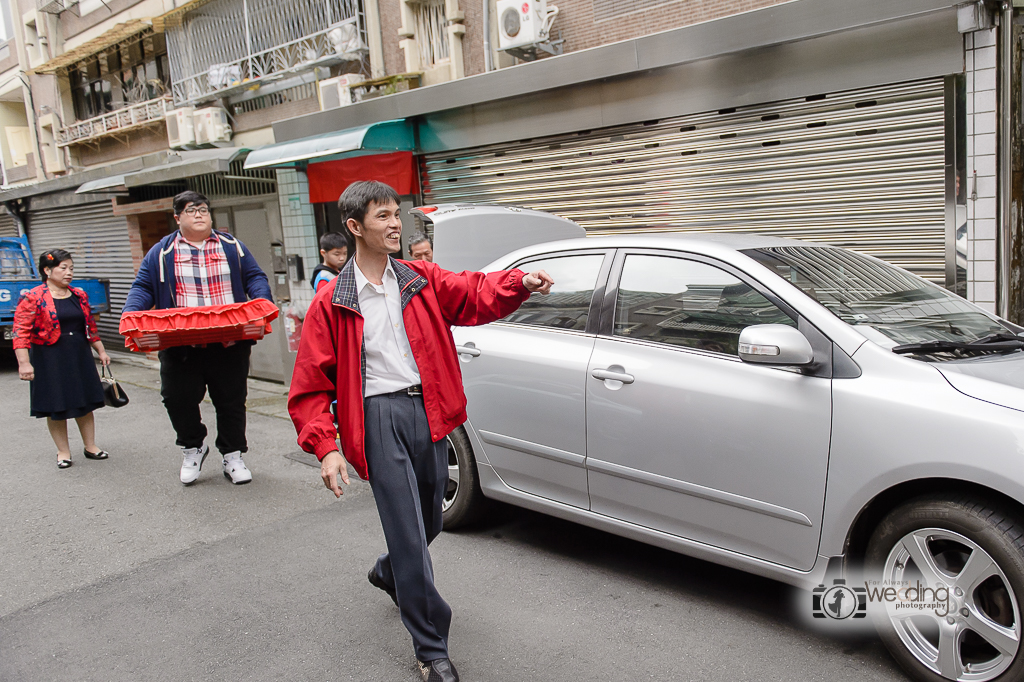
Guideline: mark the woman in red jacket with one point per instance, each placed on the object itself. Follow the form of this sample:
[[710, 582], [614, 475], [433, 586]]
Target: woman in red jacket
[[53, 329]]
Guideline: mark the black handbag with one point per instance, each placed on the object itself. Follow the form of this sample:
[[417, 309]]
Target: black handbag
[[113, 394]]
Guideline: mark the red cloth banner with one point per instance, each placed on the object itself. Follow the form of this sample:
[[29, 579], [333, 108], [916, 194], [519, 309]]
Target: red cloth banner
[[329, 179]]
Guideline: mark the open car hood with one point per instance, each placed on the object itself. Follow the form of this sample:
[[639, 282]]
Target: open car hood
[[469, 236]]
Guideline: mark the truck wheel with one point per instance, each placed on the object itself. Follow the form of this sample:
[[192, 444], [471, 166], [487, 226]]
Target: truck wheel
[[974, 553], [463, 501]]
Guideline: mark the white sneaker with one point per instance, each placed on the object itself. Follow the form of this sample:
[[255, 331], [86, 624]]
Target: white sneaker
[[193, 462], [235, 469]]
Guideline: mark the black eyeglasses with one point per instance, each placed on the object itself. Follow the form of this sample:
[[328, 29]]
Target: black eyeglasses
[[197, 210]]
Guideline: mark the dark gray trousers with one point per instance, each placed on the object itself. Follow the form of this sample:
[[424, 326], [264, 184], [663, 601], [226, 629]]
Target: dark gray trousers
[[408, 476]]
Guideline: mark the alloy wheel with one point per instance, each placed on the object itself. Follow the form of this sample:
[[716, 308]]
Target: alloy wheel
[[977, 634]]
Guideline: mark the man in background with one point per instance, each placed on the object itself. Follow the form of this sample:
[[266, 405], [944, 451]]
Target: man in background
[[420, 248]]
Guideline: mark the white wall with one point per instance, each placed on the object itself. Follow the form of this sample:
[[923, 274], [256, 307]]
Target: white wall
[[982, 118]]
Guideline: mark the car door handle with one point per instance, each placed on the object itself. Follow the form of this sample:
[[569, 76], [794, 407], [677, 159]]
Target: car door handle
[[471, 351], [604, 374]]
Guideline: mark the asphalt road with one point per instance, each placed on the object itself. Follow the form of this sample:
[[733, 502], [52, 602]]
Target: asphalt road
[[114, 571]]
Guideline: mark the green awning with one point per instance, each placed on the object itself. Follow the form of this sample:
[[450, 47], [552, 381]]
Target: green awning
[[376, 138]]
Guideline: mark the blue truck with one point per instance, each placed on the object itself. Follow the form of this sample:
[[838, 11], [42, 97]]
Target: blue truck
[[18, 274]]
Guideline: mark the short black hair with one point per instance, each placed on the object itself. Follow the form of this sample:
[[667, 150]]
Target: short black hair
[[52, 259], [417, 238], [188, 197], [358, 196], [333, 240]]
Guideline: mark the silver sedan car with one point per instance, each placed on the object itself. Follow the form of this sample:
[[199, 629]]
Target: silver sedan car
[[791, 409]]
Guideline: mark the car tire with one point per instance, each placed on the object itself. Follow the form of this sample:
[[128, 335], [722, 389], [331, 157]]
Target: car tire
[[464, 502], [976, 550]]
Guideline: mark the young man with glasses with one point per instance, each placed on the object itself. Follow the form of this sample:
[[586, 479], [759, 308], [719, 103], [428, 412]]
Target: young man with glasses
[[198, 266]]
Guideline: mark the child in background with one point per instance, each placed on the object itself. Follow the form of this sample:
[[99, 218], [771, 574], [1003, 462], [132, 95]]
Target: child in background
[[334, 251]]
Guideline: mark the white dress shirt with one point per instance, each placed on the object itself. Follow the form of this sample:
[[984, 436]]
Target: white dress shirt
[[390, 365]]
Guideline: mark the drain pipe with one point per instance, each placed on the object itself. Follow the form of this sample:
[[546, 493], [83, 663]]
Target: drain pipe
[[488, 61], [1005, 161]]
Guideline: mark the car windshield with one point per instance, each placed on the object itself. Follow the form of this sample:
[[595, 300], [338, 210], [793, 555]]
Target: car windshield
[[890, 306]]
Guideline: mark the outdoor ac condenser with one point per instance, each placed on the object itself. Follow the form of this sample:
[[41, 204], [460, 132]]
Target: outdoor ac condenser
[[524, 22], [180, 127], [337, 92], [211, 126]]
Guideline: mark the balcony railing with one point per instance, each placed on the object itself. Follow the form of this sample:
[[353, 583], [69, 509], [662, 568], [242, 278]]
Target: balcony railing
[[132, 117], [228, 46]]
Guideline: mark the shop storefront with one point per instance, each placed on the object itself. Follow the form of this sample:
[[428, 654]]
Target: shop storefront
[[849, 128]]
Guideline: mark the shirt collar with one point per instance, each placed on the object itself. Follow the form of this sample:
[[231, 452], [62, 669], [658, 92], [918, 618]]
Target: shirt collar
[[180, 238], [361, 280]]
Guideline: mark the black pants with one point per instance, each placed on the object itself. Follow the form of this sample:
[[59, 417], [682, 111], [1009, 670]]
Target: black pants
[[186, 372], [408, 476]]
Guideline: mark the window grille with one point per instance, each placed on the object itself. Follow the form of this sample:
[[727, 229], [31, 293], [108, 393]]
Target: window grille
[[431, 32], [226, 46]]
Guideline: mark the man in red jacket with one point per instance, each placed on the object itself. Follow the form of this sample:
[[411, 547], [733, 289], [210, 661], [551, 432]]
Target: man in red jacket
[[379, 342]]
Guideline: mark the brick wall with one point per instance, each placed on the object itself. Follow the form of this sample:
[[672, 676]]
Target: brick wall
[[981, 167], [261, 118], [473, 40], [390, 22], [577, 24]]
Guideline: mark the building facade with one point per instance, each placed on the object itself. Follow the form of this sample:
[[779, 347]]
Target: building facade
[[883, 127]]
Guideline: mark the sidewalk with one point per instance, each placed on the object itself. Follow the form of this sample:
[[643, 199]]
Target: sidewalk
[[135, 369]]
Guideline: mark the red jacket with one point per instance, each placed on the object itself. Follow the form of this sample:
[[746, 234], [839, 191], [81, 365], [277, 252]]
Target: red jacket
[[35, 318], [331, 365]]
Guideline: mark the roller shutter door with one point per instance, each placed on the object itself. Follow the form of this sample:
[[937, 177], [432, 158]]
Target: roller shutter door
[[860, 169], [98, 242], [7, 226]]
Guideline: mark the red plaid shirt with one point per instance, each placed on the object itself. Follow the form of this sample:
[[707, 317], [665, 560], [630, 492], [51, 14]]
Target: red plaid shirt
[[202, 275]]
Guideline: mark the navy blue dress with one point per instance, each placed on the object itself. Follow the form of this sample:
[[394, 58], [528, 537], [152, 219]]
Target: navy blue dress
[[66, 383]]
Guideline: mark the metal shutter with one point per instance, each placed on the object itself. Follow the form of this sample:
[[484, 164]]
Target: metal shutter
[[7, 226], [98, 242], [860, 169]]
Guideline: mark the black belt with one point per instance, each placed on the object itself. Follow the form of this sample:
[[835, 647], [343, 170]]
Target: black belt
[[412, 390]]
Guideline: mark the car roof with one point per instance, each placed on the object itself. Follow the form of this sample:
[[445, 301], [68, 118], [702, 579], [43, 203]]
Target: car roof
[[700, 242]]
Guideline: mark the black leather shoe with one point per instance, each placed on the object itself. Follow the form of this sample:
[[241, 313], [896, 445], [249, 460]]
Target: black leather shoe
[[379, 583], [440, 670], [95, 455]]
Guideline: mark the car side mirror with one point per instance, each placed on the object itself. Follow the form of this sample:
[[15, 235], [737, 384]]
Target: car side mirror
[[775, 344]]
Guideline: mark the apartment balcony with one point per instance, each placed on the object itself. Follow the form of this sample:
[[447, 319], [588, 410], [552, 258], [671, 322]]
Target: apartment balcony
[[228, 46], [116, 123]]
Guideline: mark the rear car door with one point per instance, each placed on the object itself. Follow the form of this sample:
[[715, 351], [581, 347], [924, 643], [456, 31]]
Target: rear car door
[[525, 378], [684, 437]]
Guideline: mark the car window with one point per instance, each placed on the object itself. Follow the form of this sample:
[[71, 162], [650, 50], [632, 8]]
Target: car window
[[568, 304], [688, 303]]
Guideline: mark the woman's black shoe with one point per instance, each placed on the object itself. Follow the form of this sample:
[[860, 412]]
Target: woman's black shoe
[[95, 455], [64, 463]]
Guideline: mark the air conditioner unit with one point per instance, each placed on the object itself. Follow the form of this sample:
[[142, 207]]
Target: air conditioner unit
[[524, 22], [337, 92], [180, 127], [211, 125]]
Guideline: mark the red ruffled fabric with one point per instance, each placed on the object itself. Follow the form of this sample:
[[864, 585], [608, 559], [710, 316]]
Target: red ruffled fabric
[[150, 330]]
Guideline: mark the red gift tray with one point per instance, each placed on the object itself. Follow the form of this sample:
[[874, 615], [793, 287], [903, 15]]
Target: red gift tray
[[150, 330]]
